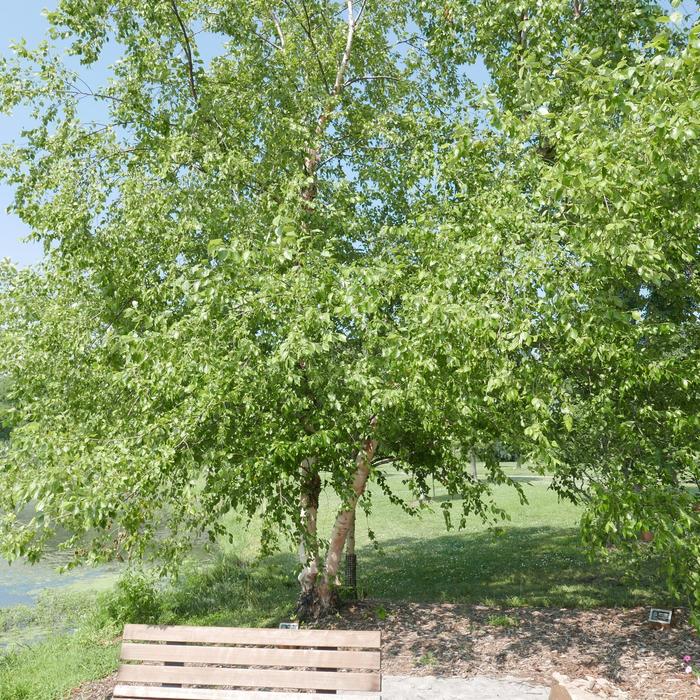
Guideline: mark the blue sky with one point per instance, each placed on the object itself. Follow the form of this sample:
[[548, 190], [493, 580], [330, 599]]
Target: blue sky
[[19, 19], [24, 19]]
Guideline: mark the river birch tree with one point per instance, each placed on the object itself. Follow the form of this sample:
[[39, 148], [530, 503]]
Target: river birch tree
[[288, 243], [232, 313]]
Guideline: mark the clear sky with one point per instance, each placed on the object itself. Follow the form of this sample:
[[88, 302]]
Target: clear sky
[[19, 19]]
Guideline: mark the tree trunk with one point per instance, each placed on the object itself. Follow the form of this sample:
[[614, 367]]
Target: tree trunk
[[316, 597], [322, 598], [475, 474], [351, 558], [308, 545]]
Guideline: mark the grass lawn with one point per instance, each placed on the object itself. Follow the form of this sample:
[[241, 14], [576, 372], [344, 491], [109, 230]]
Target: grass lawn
[[536, 558], [533, 559], [49, 670]]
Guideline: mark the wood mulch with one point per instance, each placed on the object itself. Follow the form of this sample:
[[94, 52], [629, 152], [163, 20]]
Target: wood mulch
[[615, 645], [95, 690], [633, 660]]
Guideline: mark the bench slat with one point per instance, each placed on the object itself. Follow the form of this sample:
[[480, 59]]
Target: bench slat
[[256, 636], [124, 692], [250, 678], [251, 656]]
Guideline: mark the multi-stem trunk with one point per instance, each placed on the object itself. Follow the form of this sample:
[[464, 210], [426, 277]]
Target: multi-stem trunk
[[316, 595], [320, 597]]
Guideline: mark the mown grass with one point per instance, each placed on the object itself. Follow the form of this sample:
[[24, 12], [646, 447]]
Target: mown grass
[[534, 559]]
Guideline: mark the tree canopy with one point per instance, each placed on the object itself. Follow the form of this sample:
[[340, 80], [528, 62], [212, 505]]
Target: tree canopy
[[299, 243]]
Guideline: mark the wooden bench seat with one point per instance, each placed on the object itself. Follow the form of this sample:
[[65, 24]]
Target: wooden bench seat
[[228, 663]]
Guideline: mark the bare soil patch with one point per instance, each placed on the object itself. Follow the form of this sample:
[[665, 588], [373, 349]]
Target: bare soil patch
[[95, 690]]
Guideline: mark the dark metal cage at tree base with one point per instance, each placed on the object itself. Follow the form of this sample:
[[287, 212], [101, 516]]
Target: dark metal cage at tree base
[[351, 573]]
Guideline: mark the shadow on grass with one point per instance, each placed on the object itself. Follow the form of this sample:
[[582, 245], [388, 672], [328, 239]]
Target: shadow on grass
[[525, 594], [444, 497], [524, 566], [529, 478], [233, 592], [543, 567]]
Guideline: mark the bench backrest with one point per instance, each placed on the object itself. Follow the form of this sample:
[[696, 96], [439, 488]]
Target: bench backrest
[[222, 663]]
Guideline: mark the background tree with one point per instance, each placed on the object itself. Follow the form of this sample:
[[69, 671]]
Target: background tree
[[596, 108]]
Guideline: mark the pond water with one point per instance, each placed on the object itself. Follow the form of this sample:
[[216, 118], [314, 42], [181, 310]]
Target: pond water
[[21, 583]]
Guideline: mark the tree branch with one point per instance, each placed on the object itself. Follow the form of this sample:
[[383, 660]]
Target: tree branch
[[360, 13], [363, 78], [381, 461], [307, 29], [188, 51], [338, 86], [264, 39], [313, 158], [278, 28]]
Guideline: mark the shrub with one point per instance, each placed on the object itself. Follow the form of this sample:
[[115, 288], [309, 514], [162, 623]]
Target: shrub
[[135, 599]]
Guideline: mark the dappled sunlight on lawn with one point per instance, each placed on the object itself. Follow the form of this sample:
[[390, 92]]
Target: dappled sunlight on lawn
[[535, 558], [523, 566]]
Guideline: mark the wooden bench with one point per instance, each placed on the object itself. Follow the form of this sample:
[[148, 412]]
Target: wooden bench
[[227, 663]]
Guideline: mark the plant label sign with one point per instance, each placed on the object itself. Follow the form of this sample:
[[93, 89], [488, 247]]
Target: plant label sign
[[289, 625], [659, 616]]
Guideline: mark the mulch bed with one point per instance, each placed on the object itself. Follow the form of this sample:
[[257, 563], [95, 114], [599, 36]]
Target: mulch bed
[[616, 645], [455, 640]]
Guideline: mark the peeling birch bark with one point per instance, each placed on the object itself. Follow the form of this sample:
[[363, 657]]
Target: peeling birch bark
[[344, 520], [308, 545]]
